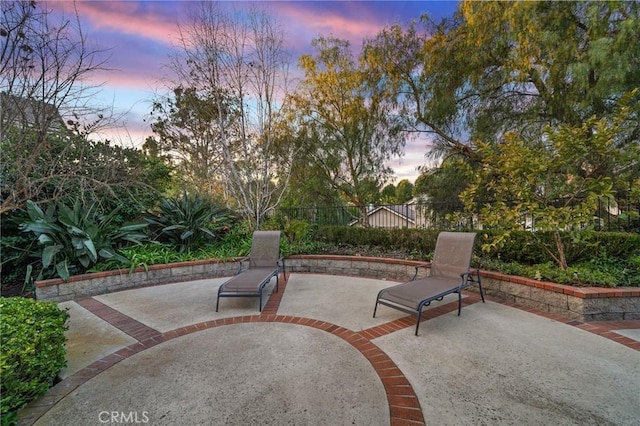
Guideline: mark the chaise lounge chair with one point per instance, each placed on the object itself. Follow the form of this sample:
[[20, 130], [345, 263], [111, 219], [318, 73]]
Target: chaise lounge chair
[[264, 264], [450, 273]]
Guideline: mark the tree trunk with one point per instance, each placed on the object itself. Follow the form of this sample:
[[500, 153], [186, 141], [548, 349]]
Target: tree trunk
[[562, 260]]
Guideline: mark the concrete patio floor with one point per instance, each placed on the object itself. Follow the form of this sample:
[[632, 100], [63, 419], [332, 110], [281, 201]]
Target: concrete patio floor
[[315, 356]]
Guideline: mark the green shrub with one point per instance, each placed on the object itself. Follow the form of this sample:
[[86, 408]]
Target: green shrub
[[600, 271], [33, 350], [354, 236], [143, 255], [623, 245], [296, 230], [421, 242], [71, 240], [529, 248], [235, 243], [190, 221], [522, 247], [629, 222], [596, 258], [14, 261]]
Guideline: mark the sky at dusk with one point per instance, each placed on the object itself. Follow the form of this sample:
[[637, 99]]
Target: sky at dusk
[[140, 35]]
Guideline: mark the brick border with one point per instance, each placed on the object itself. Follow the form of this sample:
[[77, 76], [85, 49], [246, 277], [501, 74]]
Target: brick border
[[125, 323], [404, 406], [600, 328]]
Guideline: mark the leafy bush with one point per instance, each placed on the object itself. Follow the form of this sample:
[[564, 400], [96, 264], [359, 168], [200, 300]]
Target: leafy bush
[[190, 222], [354, 236], [292, 230], [529, 247], [235, 243], [628, 222], [33, 350], [601, 272], [418, 242], [143, 255], [597, 258], [73, 239], [15, 247], [521, 247]]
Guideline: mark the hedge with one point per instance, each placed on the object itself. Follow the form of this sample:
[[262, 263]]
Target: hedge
[[33, 351], [524, 247]]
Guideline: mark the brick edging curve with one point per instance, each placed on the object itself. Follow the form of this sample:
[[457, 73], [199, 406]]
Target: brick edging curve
[[404, 406]]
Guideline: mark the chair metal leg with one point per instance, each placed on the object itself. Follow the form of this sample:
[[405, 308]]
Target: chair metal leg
[[459, 302]]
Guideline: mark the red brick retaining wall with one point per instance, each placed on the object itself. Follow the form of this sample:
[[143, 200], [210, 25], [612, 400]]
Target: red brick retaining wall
[[578, 303]]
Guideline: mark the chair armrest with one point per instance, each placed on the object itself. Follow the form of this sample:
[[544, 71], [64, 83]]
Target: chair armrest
[[475, 272], [281, 265], [468, 280], [244, 259], [424, 265]]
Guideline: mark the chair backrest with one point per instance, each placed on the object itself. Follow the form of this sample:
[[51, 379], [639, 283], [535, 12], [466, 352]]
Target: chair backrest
[[265, 249], [453, 254]]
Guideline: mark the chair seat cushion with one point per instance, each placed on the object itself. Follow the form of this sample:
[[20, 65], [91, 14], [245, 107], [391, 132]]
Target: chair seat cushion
[[412, 293], [249, 281]]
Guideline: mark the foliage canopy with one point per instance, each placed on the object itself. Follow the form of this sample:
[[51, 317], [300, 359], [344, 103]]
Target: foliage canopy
[[347, 129]]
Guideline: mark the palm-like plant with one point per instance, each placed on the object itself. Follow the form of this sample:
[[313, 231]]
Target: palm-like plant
[[71, 240], [189, 222]]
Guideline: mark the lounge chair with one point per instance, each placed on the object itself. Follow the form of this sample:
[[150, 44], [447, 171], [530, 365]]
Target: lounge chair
[[264, 264], [450, 273]]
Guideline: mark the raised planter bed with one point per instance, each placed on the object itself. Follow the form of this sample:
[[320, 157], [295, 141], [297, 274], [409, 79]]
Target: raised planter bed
[[57, 290], [578, 303]]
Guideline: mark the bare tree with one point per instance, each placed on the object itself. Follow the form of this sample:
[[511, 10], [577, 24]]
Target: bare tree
[[46, 108], [240, 63]]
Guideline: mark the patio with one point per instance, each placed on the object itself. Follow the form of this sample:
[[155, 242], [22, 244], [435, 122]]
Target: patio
[[161, 355]]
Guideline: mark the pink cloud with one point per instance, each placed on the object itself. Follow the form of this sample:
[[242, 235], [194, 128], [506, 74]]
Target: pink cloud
[[121, 80], [304, 24], [152, 20], [139, 34]]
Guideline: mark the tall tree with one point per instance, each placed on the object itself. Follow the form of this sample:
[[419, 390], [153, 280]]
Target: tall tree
[[404, 191], [46, 111], [498, 67], [441, 186], [500, 72], [188, 131], [388, 194], [554, 185], [348, 130], [438, 190], [237, 63]]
